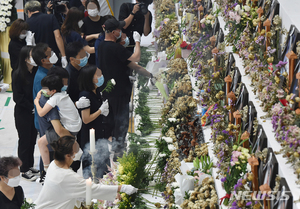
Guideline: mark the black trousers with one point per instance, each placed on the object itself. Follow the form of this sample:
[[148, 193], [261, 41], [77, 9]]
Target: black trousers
[[24, 122], [119, 110]]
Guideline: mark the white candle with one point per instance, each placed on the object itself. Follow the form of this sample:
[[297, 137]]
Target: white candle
[[92, 140], [88, 198]]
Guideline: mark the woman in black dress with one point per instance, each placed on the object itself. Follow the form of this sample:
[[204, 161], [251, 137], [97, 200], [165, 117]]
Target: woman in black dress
[[17, 35], [92, 25], [94, 116], [11, 194], [22, 84]]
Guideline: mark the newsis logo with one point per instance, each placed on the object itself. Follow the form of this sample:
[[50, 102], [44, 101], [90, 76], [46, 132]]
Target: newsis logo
[[249, 195]]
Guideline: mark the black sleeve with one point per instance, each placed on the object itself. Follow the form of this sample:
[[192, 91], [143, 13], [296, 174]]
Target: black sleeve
[[150, 21], [55, 24], [13, 51], [124, 11], [20, 195], [84, 26], [19, 96], [122, 53]]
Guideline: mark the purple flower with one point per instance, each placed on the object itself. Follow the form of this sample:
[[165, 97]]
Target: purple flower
[[248, 203], [281, 64], [234, 203], [223, 179]]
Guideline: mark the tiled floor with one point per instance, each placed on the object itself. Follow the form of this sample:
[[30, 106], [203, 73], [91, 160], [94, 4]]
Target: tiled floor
[[9, 141]]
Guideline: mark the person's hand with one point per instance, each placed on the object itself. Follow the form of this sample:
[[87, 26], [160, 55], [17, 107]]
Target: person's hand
[[64, 61], [104, 108], [67, 9], [128, 189], [151, 82], [136, 36], [4, 87], [83, 102], [136, 8], [30, 38], [39, 94], [50, 5]]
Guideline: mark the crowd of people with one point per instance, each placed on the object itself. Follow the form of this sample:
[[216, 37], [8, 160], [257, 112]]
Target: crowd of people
[[61, 65]]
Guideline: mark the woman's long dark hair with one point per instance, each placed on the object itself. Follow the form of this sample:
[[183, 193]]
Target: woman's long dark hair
[[71, 21], [85, 78], [22, 67]]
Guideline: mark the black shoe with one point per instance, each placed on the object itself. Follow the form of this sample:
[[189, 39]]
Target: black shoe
[[42, 177], [34, 171], [28, 176]]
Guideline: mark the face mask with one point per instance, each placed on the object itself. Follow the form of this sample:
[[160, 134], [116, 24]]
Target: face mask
[[119, 35], [100, 81], [14, 182], [126, 42], [64, 88], [93, 12], [80, 23], [83, 61], [77, 156], [53, 59], [22, 36], [32, 62], [44, 92]]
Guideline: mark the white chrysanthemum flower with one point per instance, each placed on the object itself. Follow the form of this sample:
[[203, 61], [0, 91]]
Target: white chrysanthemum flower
[[161, 155], [247, 8], [29, 200], [172, 119], [113, 81], [167, 139], [237, 8], [171, 147]]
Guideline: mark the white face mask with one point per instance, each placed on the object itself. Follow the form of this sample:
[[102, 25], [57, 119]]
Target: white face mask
[[53, 59], [93, 12], [22, 36], [14, 182], [32, 62], [80, 23], [77, 156]]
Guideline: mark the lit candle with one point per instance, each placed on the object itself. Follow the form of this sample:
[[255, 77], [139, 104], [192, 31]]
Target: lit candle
[[88, 198], [92, 140]]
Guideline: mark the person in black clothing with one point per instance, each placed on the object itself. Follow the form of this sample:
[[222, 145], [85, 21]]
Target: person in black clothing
[[94, 116], [46, 30], [92, 25], [78, 58], [24, 112], [115, 62], [70, 29], [11, 194], [17, 35], [135, 21]]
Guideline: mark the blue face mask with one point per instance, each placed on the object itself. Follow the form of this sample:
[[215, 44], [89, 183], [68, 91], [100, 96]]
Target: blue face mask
[[119, 35], [100, 81], [83, 61], [126, 42], [64, 88]]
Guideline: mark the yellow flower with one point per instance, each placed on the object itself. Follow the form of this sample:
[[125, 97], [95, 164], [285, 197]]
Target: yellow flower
[[121, 169]]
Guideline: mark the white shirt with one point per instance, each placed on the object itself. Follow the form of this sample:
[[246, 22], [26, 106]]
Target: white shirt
[[69, 116], [63, 186]]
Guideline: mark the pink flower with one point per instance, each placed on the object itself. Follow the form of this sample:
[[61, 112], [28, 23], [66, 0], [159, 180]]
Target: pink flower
[[276, 109], [237, 18], [280, 93], [236, 154]]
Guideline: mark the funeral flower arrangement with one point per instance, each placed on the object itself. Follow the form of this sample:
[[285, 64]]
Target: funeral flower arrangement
[[7, 13]]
